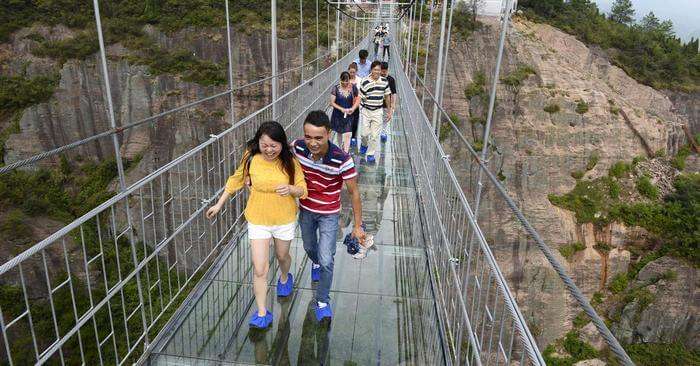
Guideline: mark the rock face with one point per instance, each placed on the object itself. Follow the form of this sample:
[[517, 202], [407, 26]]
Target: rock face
[[78, 108], [536, 152], [668, 312]]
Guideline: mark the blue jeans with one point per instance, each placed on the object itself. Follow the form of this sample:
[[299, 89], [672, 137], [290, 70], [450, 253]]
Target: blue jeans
[[319, 233]]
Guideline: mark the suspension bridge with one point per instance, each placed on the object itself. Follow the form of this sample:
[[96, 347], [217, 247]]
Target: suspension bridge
[[149, 280]]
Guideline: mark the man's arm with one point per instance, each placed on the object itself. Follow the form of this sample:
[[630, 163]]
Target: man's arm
[[354, 191]]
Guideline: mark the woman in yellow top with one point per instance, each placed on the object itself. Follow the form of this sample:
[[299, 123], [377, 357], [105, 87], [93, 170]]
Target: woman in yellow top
[[275, 179]]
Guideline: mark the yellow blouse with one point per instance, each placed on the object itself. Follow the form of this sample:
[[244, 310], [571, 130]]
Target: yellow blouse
[[265, 206]]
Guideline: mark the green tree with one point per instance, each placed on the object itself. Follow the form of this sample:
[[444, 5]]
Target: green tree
[[650, 21], [622, 11]]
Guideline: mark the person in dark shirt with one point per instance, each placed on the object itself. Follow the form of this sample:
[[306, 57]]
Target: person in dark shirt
[[389, 103]]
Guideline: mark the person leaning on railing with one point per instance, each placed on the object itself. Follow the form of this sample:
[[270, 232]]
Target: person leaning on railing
[[275, 179]]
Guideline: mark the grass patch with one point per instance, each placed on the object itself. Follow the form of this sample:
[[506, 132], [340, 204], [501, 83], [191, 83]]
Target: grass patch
[[577, 174], [676, 220], [552, 108], [580, 320], [619, 170], [589, 200], [646, 188], [516, 77], [619, 283], [657, 354], [614, 189], [602, 247], [577, 350], [592, 161], [476, 87], [581, 107], [568, 250], [182, 63], [678, 161], [17, 92]]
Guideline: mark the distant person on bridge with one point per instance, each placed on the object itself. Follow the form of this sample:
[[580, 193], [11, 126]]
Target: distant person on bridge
[[386, 45], [377, 41], [326, 168], [345, 100], [355, 80], [389, 103], [363, 65], [373, 91], [276, 180]]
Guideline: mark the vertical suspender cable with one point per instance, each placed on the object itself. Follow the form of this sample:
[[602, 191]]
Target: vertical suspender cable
[[441, 51], [337, 34], [273, 44], [354, 28], [301, 38], [230, 65], [440, 92], [120, 166], [420, 25], [108, 96], [318, 45], [427, 50], [492, 101], [410, 38]]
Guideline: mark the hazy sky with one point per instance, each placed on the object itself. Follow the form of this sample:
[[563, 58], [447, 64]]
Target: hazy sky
[[685, 14]]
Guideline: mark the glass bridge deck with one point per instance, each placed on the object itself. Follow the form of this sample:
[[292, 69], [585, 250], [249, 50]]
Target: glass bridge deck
[[384, 311]]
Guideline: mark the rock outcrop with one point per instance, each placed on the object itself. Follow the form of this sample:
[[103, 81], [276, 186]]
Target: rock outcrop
[[535, 152], [667, 307]]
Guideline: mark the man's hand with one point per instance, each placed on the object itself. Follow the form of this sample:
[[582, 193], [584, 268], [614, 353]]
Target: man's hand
[[359, 233]]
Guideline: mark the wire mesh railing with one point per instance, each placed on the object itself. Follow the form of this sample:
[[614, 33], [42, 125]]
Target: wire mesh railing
[[482, 321], [98, 290]]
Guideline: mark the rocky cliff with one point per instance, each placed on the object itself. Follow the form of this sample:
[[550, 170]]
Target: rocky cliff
[[563, 113], [78, 107]]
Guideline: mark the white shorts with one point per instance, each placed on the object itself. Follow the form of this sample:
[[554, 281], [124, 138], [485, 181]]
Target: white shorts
[[281, 232]]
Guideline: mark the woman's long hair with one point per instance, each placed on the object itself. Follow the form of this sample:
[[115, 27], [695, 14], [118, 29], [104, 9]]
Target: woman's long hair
[[274, 131]]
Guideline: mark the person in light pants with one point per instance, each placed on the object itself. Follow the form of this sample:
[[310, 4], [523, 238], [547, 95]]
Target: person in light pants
[[373, 91]]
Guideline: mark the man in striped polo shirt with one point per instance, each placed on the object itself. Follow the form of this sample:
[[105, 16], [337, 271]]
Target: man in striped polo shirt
[[373, 90], [326, 167]]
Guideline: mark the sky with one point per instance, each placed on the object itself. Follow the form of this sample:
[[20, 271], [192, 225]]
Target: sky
[[685, 14]]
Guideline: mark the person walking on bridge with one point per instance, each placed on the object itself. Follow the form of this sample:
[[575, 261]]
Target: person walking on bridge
[[373, 91], [326, 168], [386, 45], [389, 103], [344, 100], [363, 65], [355, 80], [275, 179]]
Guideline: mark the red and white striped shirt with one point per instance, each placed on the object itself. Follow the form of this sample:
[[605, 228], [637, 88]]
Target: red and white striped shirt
[[324, 178]]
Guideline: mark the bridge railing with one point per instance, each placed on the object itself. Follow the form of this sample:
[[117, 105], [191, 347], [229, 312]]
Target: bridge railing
[[101, 288], [484, 228], [481, 318]]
